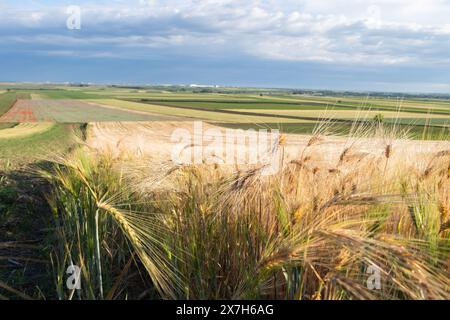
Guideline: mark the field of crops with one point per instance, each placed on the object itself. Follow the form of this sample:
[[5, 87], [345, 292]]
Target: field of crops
[[26, 143], [298, 103], [263, 107], [24, 130], [288, 112], [420, 117], [192, 114], [6, 101], [294, 116], [70, 111], [88, 178], [388, 116]]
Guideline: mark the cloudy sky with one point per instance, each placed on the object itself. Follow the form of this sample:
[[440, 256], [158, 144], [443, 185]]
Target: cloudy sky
[[379, 45]]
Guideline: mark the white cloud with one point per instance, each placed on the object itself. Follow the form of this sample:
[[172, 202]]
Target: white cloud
[[334, 31]]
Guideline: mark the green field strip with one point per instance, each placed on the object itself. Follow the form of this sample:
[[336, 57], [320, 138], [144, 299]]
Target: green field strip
[[363, 115], [264, 113], [373, 103], [24, 150], [63, 94], [344, 129], [24, 130], [224, 105]]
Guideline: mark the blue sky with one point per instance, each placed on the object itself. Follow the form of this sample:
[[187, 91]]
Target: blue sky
[[380, 45]]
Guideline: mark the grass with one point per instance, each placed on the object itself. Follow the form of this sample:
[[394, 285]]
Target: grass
[[24, 130], [6, 101], [7, 125], [362, 114], [306, 232], [64, 94], [29, 143], [23, 211], [412, 131]]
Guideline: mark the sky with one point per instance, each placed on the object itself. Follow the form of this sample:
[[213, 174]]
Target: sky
[[379, 45]]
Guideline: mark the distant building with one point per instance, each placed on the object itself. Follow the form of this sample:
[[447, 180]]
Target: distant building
[[203, 86]]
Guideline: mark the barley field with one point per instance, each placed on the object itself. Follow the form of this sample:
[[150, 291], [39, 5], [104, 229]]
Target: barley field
[[93, 183]]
